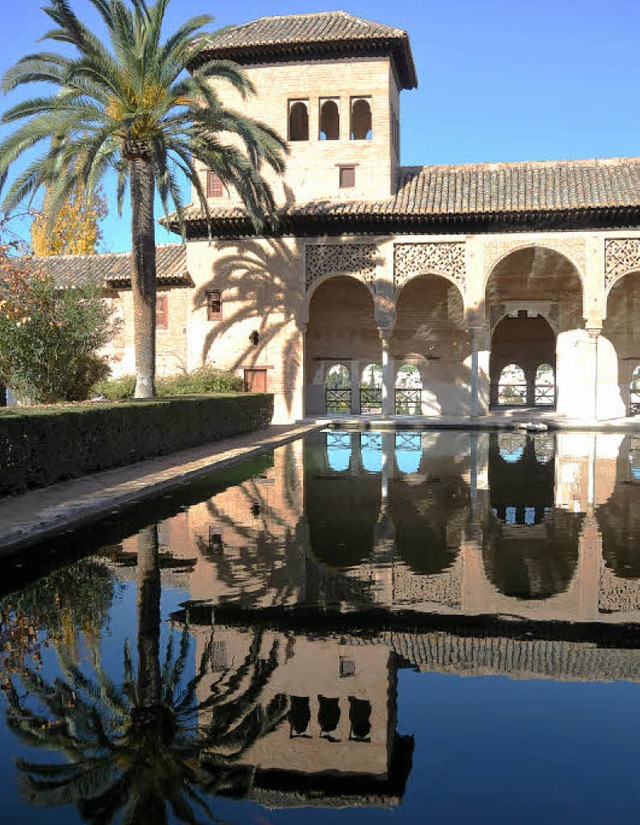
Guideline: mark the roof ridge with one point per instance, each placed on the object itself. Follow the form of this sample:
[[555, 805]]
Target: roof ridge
[[83, 255], [497, 165]]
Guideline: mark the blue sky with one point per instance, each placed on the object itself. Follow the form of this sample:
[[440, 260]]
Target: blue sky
[[498, 80]]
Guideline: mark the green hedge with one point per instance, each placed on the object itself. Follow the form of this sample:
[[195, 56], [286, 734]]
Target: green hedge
[[41, 447]]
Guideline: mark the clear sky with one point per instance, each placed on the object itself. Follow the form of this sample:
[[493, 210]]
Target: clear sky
[[499, 80]]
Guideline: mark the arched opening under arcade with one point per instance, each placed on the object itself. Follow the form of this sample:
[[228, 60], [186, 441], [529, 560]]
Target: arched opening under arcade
[[337, 389], [520, 347], [534, 301], [621, 329], [430, 334], [408, 390], [341, 330]]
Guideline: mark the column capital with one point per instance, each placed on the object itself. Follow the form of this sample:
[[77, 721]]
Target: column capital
[[594, 331]]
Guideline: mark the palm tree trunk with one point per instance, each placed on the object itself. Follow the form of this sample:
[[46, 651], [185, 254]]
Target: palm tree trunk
[[143, 274], [149, 675]]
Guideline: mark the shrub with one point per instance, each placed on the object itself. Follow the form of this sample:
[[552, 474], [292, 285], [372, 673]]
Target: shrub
[[49, 338], [204, 380]]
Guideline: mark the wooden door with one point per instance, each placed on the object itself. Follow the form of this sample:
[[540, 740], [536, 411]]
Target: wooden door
[[255, 380]]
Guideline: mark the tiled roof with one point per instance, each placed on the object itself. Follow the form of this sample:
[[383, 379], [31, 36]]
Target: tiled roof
[[110, 269], [485, 189], [317, 32]]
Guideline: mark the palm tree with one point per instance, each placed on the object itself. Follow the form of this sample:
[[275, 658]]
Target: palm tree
[[130, 107]]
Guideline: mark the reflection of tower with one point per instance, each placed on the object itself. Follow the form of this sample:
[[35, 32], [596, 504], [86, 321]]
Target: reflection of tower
[[338, 744], [385, 531]]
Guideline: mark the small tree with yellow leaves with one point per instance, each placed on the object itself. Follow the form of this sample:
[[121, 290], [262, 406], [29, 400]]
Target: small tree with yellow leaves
[[76, 228]]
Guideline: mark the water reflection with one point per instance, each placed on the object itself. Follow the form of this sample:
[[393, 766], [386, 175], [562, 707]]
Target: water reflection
[[297, 595]]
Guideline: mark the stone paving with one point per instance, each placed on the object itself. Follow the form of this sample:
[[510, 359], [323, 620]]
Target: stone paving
[[39, 514]]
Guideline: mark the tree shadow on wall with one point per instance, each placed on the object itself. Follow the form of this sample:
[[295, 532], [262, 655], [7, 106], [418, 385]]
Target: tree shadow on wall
[[266, 281]]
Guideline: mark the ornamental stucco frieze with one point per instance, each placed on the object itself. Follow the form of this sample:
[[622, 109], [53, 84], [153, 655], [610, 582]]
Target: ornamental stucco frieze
[[445, 258], [572, 247], [356, 259], [621, 255]]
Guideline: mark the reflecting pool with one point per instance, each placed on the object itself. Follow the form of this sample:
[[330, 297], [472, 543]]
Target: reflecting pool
[[357, 626]]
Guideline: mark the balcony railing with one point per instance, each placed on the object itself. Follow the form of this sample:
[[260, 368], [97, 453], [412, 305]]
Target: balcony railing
[[515, 395], [370, 399], [338, 401], [408, 401]]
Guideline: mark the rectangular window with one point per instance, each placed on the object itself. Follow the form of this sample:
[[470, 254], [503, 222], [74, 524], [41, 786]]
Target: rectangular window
[[347, 177], [214, 186], [162, 312], [214, 305]]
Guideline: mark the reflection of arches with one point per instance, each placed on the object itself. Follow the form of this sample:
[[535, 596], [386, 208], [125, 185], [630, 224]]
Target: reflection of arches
[[329, 120], [341, 508], [534, 561], [619, 518], [408, 450], [530, 549], [429, 519], [339, 450], [371, 451], [361, 119], [519, 346], [298, 120], [511, 446], [620, 328]]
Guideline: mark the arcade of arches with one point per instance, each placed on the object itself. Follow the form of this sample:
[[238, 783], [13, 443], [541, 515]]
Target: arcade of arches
[[534, 331]]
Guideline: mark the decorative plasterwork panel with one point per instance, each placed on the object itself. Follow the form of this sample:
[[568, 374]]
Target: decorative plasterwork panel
[[572, 247], [438, 258], [357, 259], [621, 255]]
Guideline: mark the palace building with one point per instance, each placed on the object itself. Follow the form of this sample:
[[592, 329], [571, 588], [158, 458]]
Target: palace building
[[432, 290]]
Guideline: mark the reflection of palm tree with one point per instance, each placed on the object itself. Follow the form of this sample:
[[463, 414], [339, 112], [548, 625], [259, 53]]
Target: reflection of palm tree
[[148, 744]]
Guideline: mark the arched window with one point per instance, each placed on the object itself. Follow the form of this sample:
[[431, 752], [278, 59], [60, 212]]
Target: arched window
[[361, 119], [371, 389], [408, 390], [545, 387], [298, 120], [338, 389], [329, 120], [634, 392], [512, 386]]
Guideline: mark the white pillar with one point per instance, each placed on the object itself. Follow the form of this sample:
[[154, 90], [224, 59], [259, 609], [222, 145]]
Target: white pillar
[[474, 405], [594, 333], [355, 386], [388, 400]]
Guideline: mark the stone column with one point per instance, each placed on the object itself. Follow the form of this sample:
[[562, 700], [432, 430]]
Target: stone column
[[388, 395], [474, 405], [592, 399], [355, 386]]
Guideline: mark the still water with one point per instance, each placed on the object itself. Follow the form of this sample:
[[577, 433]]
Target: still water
[[361, 627]]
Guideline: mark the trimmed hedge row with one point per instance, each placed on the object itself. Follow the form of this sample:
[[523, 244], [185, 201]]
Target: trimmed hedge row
[[41, 447]]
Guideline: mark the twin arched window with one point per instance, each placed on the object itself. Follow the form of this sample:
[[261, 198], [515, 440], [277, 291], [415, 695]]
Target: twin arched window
[[360, 122]]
